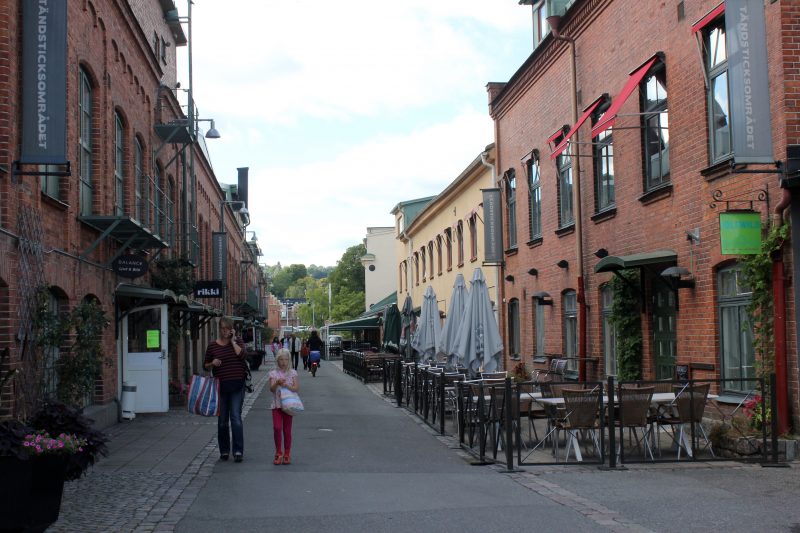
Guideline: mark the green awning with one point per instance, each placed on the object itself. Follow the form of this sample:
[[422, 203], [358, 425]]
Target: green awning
[[371, 322], [613, 263], [379, 306], [141, 292]]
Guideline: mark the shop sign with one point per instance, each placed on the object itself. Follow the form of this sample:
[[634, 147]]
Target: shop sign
[[208, 289], [130, 266], [740, 233]]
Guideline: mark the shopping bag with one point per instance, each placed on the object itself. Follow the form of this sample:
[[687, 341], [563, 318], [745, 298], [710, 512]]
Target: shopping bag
[[290, 402], [204, 396]]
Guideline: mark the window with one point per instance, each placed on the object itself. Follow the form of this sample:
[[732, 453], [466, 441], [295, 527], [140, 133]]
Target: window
[[439, 254], [718, 106], [473, 237], [158, 213], [416, 268], [49, 182], [139, 183], [535, 192], [564, 166], [460, 242], [609, 331], [655, 120], [170, 231], [401, 274], [538, 320], [448, 242], [540, 26], [163, 51], [119, 165], [85, 142], [424, 263], [735, 330], [51, 353], [513, 328], [511, 206], [603, 149], [570, 310], [430, 258]]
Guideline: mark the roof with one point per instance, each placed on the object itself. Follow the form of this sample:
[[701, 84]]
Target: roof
[[380, 305]]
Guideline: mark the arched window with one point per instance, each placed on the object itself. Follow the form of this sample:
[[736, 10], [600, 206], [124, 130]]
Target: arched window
[[460, 242], [535, 192], [511, 206], [735, 329], [569, 303], [439, 254], [424, 263], [513, 328], [85, 142], [448, 242], [473, 237], [119, 165], [430, 258]]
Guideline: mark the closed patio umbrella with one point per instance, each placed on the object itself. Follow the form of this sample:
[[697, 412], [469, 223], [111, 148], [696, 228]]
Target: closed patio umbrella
[[458, 301], [391, 329], [408, 323], [478, 343], [429, 329]]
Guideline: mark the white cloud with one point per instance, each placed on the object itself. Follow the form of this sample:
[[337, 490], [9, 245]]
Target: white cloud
[[279, 76]]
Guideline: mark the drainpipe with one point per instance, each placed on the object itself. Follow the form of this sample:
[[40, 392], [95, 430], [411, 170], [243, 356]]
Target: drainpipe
[[779, 331], [555, 22], [499, 289]]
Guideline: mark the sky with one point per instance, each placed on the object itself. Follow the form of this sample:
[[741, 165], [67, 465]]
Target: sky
[[341, 110]]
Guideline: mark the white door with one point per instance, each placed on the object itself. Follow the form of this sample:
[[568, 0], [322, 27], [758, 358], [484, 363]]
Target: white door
[[145, 361]]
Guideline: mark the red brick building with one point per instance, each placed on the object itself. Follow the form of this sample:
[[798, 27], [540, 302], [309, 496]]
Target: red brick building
[[670, 130], [109, 167]]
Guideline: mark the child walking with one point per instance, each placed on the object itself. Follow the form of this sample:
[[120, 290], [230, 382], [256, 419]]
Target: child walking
[[283, 376]]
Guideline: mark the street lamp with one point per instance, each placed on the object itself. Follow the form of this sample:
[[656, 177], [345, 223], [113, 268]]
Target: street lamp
[[555, 23]]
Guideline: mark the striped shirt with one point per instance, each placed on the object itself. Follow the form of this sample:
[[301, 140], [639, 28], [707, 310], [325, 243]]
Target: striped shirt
[[232, 367]]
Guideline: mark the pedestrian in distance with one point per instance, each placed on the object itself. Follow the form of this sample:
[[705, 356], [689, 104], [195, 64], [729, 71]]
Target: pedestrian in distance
[[295, 344], [225, 357], [282, 376], [276, 345]]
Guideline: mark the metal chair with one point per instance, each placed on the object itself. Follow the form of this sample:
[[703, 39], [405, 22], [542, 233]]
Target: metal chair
[[581, 409], [690, 405]]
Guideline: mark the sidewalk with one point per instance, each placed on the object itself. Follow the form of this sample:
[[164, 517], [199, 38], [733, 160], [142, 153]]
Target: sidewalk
[[157, 465]]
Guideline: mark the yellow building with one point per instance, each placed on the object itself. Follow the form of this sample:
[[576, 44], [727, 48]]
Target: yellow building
[[442, 236]]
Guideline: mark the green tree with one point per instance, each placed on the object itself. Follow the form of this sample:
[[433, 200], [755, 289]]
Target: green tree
[[319, 272], [349, 272], [347, 304], [285, 278], [315, 311]]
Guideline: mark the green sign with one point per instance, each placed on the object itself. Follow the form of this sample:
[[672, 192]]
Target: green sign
[[740, 233], [153, 338]]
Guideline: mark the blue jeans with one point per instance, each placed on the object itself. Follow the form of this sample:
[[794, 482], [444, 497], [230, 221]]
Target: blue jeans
[[230, 408]]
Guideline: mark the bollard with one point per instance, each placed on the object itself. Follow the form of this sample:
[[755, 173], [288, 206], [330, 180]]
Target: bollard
[[128, 401]]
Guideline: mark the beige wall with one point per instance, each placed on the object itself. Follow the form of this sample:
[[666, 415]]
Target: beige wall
[[381, 280], [460, 201]]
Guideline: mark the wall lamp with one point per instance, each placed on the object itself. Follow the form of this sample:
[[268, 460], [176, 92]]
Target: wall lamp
[[563, 264], [510, 278], [543, 298], [533, 272], [601, 253], [675, 273], [212, 133]]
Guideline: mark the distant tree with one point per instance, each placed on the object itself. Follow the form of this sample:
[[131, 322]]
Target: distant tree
[[349, 272], [285, 278], [315, 311], [347, 304], [319, 272]]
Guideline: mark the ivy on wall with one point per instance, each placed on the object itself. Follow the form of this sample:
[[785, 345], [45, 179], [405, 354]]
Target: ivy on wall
[[626, 318]]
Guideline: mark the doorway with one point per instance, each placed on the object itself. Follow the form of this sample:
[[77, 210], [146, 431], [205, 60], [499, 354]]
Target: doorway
[[145, 360]]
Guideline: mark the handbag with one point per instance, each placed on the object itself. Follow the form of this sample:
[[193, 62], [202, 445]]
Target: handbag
[[204, 396], [248, 381], [290, 402]]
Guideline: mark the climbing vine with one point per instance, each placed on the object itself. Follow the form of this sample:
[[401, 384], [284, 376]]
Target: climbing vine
[[627, 320], [757, 275]]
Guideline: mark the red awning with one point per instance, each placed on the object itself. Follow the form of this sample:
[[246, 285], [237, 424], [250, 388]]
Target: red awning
[[553, 137], [586, 114], [633, 81], [711, 15]]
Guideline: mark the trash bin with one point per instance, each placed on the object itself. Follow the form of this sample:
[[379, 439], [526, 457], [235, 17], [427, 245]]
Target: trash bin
[[128, 400]]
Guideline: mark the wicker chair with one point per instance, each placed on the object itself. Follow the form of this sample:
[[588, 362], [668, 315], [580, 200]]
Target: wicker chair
[[633, 413], [690, 404], [581, 409]]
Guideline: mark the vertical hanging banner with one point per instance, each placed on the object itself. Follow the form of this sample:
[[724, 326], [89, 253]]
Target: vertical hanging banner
[[219, 257], [748, 81], [44, 82], [492, 227]]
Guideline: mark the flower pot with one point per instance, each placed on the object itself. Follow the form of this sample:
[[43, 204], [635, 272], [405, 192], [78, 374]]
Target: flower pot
[[30, 497]]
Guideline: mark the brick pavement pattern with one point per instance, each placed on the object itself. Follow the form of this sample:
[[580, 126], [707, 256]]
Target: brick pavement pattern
[[157, 466]]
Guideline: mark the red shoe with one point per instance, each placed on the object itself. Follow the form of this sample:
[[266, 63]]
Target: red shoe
[[287, 460], [278, 459]]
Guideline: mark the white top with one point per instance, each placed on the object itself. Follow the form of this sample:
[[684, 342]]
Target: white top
[[289, 376]]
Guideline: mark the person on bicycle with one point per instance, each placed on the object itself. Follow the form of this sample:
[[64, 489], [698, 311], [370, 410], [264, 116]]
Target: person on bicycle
[[314, 344]]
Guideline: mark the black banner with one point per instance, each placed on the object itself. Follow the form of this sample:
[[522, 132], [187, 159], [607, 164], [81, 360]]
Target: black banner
[[44, 82], [208, 289], [492, 227]]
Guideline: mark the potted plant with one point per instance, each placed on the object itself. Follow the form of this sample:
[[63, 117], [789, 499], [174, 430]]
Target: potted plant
[[57, 444]]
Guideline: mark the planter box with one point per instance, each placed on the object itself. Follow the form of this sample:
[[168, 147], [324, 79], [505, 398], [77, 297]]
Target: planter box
[[30, 494]]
